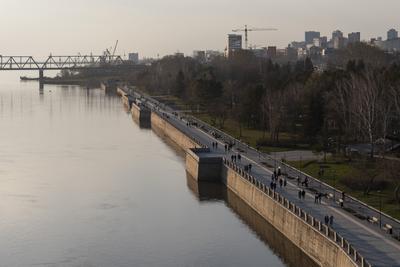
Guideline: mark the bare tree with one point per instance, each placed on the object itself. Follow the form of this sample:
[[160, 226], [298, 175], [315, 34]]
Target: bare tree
[[366, 92], [342, 97]]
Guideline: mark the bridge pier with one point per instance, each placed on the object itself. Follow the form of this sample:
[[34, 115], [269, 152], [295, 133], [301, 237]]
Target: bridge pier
[[41, 79]]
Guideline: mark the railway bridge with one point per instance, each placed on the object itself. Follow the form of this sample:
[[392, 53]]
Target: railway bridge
[[64, 62]]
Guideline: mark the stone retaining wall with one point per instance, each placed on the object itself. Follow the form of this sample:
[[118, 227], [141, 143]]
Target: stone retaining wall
[[308, 238], [317, 246]]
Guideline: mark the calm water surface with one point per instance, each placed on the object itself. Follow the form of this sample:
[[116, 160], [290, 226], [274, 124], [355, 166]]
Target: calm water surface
[[82, 185]]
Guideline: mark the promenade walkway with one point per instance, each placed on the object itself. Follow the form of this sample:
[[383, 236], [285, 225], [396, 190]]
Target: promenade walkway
[[379, 248]]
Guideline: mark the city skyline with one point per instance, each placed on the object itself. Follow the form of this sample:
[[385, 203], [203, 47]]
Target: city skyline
[[159, 27]]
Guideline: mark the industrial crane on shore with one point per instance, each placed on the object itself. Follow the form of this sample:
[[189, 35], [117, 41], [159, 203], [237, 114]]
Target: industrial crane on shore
[[246, 30], [107, 52]]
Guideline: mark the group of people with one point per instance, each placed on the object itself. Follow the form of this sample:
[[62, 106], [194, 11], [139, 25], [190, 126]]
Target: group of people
[[235, 158], [318, 198], [302, 194], [248, 167], [277, 173], [215, 145], [303, 183], [228, 147], [277, 178]]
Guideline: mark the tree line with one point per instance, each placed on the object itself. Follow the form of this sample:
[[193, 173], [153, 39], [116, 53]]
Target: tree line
[[358, 101]]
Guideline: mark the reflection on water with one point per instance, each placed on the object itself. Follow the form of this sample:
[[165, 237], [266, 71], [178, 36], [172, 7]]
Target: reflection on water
[[290, 254], [81, 185]]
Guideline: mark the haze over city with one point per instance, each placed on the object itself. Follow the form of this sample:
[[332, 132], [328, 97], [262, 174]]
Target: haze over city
[[200, 133], [165, 27]]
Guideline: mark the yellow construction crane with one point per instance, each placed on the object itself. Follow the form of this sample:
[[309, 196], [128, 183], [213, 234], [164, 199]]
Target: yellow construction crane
[[246, 30]]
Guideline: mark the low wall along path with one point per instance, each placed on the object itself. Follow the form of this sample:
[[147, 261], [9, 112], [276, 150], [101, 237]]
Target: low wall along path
[[320, 242]]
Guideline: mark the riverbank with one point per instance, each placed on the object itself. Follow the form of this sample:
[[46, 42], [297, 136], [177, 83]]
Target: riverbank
[[351, 230], [348, 176]]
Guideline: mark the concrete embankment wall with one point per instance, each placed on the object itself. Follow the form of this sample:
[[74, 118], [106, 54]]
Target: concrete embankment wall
[[168, 130], [140, 114], [203, 168], [314, 244], [120, 91], [307, 237]]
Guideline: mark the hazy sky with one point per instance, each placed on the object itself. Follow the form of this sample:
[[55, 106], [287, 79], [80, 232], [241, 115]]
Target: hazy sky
[[151, 27]]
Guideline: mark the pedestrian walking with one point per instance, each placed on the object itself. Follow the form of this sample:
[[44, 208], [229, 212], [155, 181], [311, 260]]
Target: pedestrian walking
[[300, 193], [239, 157], [320, 198], [285, 182], [250, 167], [280, 183], [316, 198], [331, 220], [298, 180], [279, 171], [303, 194], [326, 219]]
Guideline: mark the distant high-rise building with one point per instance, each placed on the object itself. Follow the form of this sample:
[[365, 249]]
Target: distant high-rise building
[[337, 33], [310, 36], [339, 42], [134, 57], [323, 41], [392, 34], [234, 43], [354, 37]]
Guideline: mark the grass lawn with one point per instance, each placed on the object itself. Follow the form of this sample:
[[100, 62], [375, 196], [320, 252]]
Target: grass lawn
[[250, 136], [336, 169]]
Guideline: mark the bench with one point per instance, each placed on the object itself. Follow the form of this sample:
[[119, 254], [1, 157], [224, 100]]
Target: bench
[[388, 228], [373, 219], [341, 202]]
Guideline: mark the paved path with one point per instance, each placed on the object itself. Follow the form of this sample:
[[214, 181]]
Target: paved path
[[377, 247]]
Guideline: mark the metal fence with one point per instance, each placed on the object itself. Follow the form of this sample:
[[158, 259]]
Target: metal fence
[[323, 229], [349, 202], [376, 217]]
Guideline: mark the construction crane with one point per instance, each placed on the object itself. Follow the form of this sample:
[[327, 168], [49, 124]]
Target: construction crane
[[115, 48], [246, 30], [107, 53]]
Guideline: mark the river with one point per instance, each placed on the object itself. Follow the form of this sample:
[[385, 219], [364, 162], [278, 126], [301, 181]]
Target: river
[[82, 185]]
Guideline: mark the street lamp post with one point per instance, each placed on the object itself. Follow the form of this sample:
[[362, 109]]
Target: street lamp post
[[334, 185], [380, 209]]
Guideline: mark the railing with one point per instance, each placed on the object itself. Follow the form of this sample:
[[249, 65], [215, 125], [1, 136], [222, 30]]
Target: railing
[[320, 186], [166, 117], [323, 229]]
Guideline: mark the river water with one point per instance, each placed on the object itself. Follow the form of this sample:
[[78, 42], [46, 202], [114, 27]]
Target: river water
[[81, 184]]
